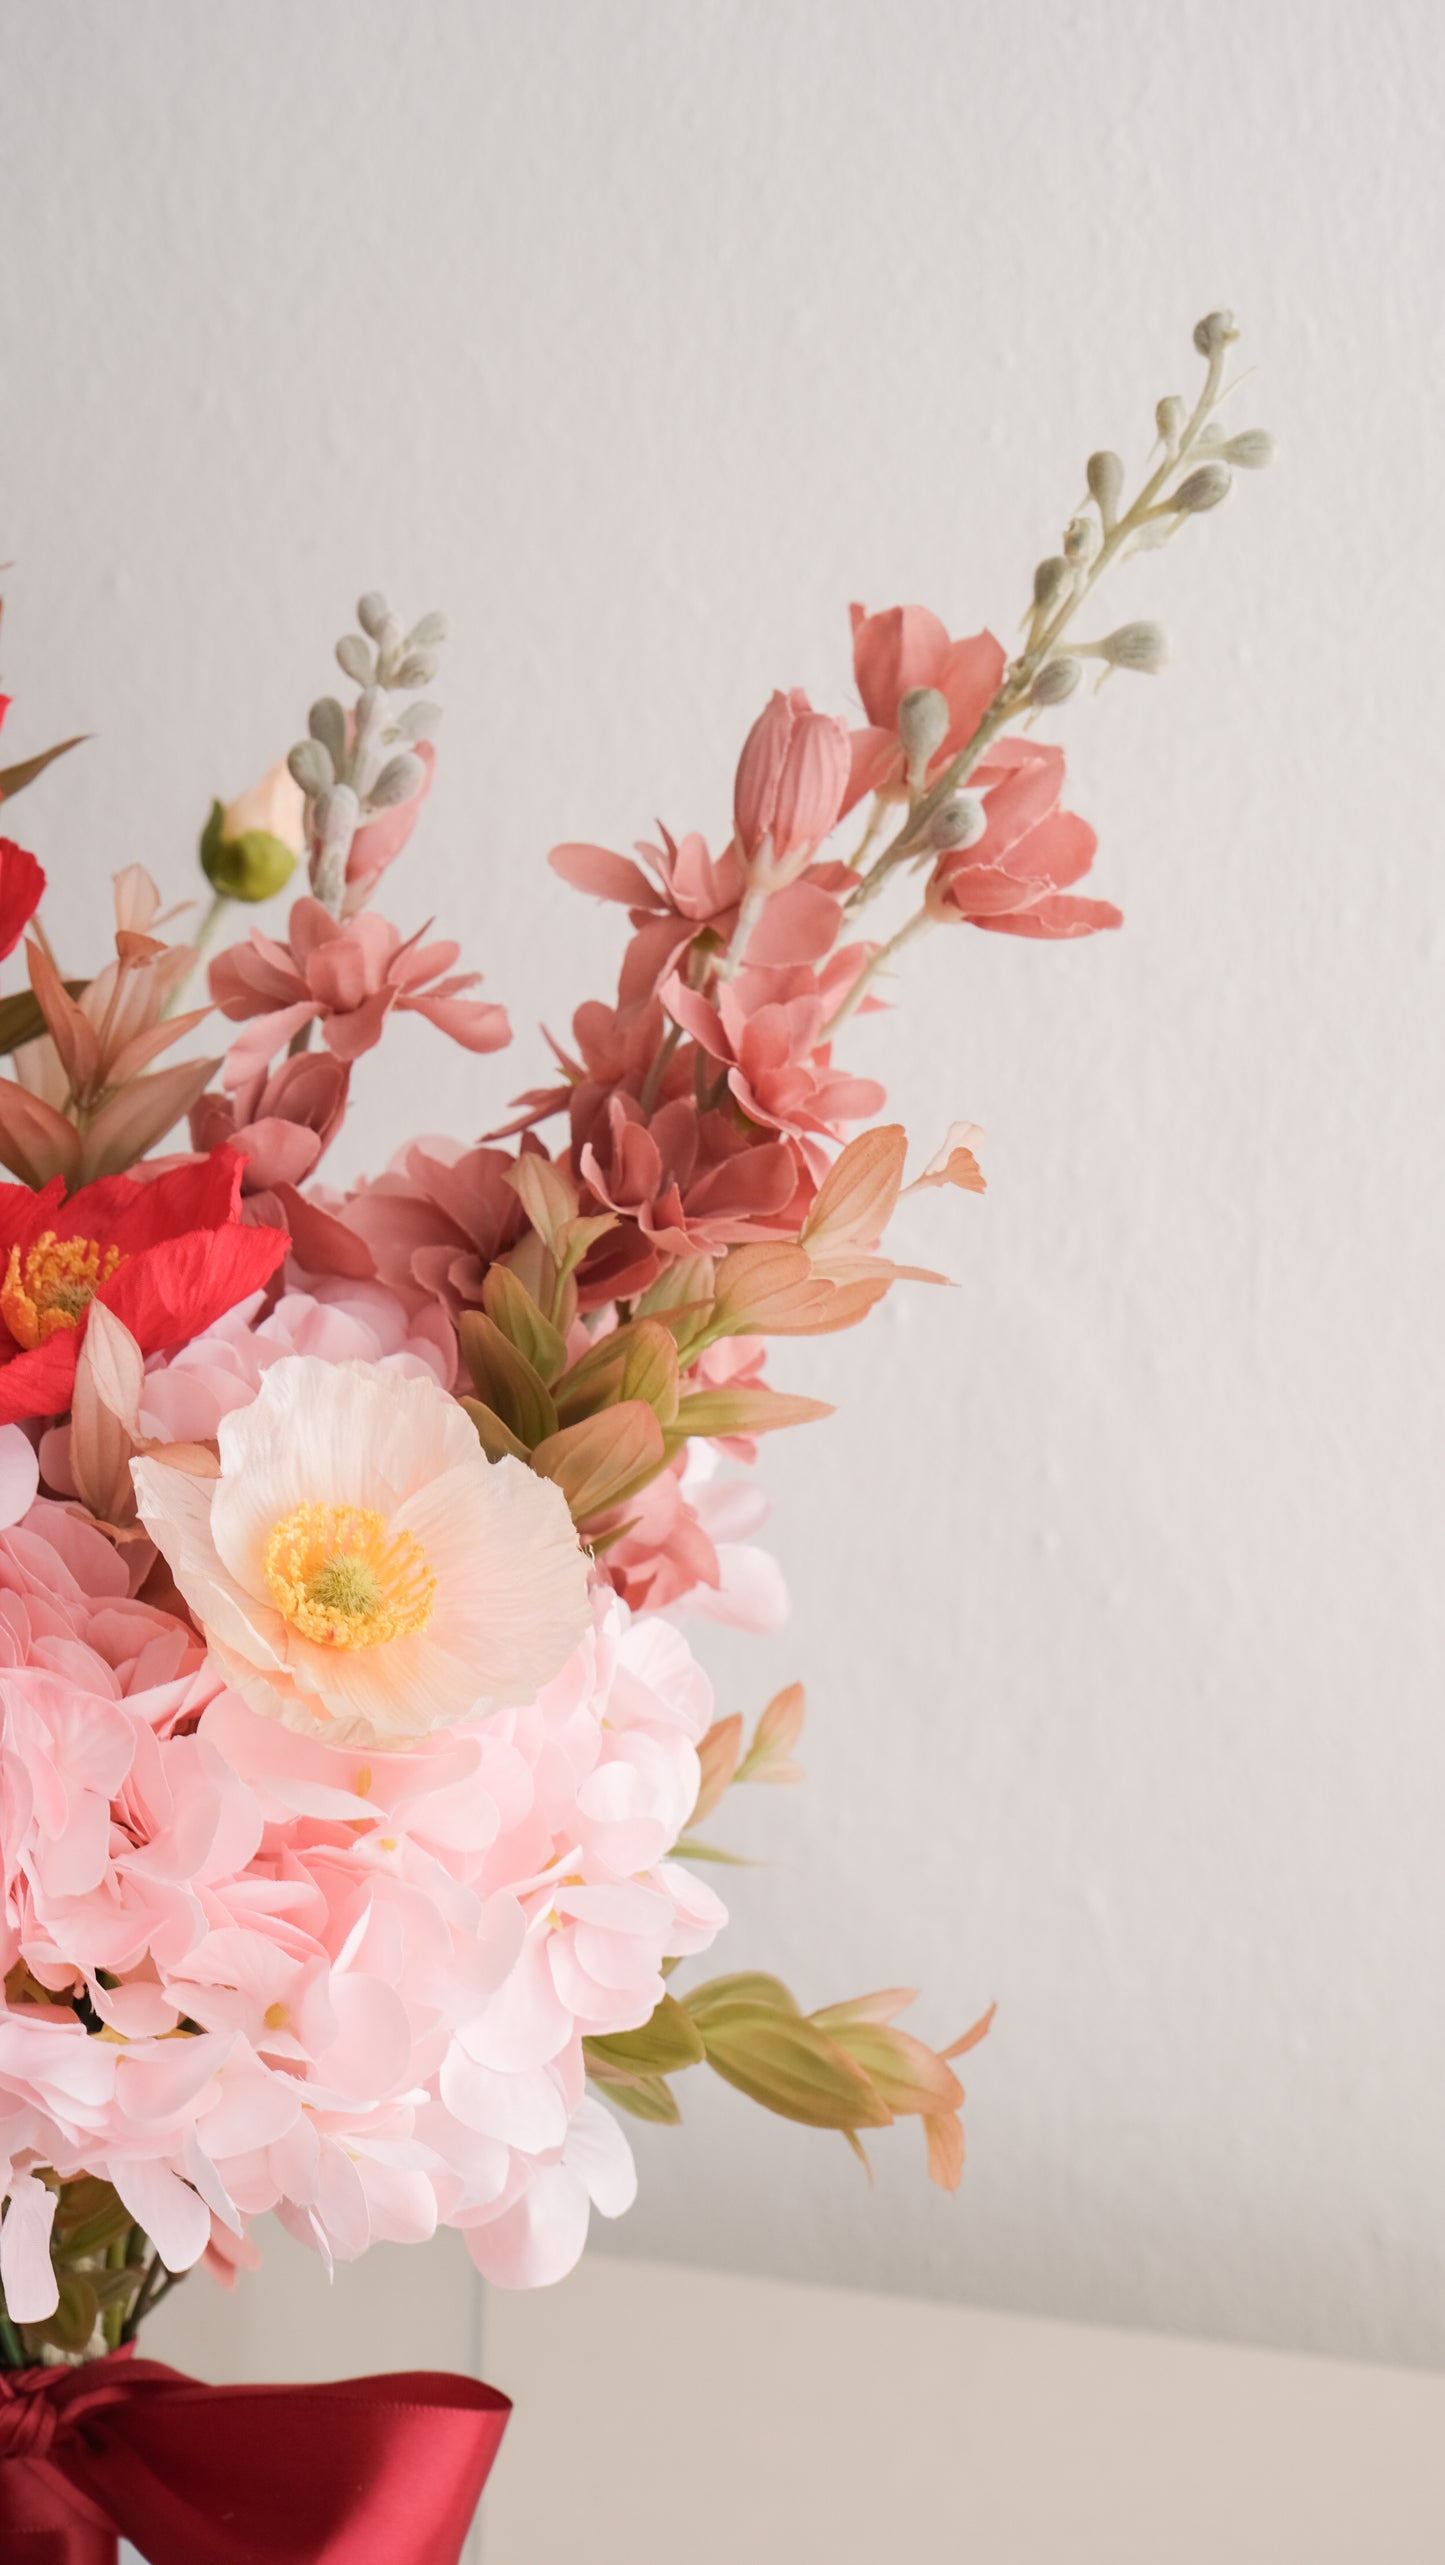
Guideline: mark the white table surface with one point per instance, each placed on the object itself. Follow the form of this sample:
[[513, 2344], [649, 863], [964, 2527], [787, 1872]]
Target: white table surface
[[668, 2416]]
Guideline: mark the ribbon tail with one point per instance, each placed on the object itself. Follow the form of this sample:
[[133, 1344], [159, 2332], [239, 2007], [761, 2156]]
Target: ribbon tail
[[368, 2471]]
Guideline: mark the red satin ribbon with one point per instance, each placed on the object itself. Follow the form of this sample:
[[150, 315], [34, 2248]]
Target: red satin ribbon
[[370, 2471]]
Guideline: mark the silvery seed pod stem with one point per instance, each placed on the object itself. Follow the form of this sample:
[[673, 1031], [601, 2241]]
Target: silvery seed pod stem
[[1055, 682], [923, 719], [1201, 489], [310, 766], [1105, 474], [355, 660], [400, 777], [327, 723], [1253, 450], [371, 613]]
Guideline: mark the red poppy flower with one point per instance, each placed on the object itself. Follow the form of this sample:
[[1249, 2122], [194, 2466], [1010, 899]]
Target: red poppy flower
[[168, 1256], [22, 886]]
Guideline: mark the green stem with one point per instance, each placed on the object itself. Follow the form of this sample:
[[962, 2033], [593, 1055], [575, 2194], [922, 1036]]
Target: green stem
[[11, 2344]]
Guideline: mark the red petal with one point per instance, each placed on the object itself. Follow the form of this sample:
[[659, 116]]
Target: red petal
[[39, 1383], [169, 1292], [22, 883], [1055, 919]]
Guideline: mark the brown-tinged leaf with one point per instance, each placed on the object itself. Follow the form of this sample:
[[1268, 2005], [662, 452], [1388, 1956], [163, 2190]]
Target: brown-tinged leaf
[[511, 1307], [104, 1422], [148, 1044], [505, 1381], [718, 1755], [546, 1193], [855, 1200], [139, 1115], [605, 1459], [13, 779], [748, 1409], [497, 1440], [70, 1029], [36, 1142], [769, 1757]]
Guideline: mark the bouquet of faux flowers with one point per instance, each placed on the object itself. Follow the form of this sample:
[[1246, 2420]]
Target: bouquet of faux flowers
[[353, 1750]]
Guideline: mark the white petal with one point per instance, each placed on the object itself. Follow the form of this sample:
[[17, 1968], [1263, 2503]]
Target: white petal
[[27, 2273], [19, 1476]]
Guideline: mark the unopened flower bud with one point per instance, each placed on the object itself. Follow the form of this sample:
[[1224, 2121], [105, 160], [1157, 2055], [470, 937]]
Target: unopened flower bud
[[1253, 449], [355, 659], [1106, 483], [249, 846], [1141, 646], [1169, 417], [311, 767], [1215, 331], [1050, 580], [1056, 681], [1202, 489], [416, 669], [399, 779], [1082, 540], [372, 612], [958, 822], [327, 723], [429, 634], [923, 719]]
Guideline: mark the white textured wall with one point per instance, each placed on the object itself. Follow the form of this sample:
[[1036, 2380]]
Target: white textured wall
[[642, 337]]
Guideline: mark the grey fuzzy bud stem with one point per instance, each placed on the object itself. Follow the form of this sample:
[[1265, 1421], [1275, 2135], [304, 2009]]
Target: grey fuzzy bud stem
[[1215, 332], [1170, 416], [1253, 450], [417, 668], [1143, 647], [1055, 682], [923, 719], [429, 634], [399, 779], [355, 660], [372, 612], [1106, 484], [1199, 490], [327, 724], [1082, 540], [958, 822], [1050, 580], [311, 767], [418, 721]]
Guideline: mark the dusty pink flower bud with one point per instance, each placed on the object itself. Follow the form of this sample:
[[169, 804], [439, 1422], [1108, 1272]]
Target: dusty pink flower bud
[[791, 779]]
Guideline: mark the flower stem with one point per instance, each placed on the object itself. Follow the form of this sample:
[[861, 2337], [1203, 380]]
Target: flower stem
[[11, 2344], [885, 954]]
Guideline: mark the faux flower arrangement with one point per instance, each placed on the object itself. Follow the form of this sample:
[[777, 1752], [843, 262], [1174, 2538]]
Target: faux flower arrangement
[[353, 1752]]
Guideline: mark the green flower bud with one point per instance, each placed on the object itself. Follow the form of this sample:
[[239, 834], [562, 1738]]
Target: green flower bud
[[253, 866]]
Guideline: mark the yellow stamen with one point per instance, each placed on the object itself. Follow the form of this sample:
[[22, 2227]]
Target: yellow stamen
[[345, 1580], [53, 1285]]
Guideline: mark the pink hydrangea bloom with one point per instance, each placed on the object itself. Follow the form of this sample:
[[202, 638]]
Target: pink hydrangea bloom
[[384, 1963]]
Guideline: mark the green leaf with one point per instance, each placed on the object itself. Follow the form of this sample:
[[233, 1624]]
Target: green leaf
[[509, 1384], [635, 1361], [750, 1409], [688, 1848], [497, 1440], [647, 2097], [791, 2067], [667, 2041], [748, 1990], [510, 1306], [605, 1459], [20, 1016], [13, 779]]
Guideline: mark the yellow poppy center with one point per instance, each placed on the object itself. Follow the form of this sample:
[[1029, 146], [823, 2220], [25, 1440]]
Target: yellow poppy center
[[346, 1579], [52, 1285]]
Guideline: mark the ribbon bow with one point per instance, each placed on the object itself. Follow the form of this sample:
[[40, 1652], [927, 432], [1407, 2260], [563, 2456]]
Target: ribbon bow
[[370, 2471]]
